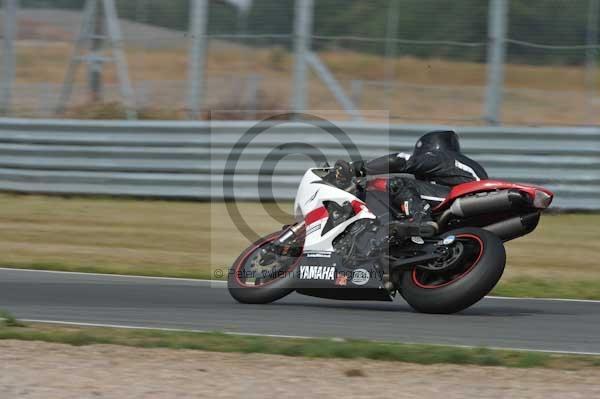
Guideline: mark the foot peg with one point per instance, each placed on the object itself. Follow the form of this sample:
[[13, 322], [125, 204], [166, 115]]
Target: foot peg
[[428, 229], [411, 229]]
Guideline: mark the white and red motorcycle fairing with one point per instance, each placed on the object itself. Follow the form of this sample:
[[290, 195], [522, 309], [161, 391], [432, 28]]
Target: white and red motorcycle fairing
[[309, 207]]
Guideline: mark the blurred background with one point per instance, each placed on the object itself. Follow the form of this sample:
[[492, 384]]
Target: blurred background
[[134, 140], [467, 62], [517, 79]]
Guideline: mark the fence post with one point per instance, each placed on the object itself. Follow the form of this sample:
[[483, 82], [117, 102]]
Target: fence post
[[197, 56], [497, 27], [302, 43], [591, 58], [253, 82], [356, 91], [85, 31], [96, 61], [116, 40], [390, 50], [8, 55]]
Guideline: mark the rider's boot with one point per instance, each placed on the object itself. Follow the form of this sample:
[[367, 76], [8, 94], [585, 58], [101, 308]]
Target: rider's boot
[[418, 221], [410, 228], [427, 227]]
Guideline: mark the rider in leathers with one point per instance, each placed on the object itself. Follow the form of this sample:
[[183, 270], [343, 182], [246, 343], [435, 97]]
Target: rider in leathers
[[436, 163]]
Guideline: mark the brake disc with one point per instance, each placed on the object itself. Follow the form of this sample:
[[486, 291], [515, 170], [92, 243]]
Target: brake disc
[[259, 265], [450, 258]]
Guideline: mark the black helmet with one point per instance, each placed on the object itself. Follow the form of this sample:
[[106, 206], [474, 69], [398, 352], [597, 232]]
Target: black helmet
[[439, 140]]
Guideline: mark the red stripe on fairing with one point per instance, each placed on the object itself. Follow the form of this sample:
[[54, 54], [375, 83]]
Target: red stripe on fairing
[[316, 215], [358, 206], [378, 184], [321, 213]]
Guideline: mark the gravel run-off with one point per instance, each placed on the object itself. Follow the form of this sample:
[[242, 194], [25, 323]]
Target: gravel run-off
[[43, 370]]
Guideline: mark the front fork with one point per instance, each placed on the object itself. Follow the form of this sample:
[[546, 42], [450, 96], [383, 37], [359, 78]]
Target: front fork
[[283, 246], [290, 233]]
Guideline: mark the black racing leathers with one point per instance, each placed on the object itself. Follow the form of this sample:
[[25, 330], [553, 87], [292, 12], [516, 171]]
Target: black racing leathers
[[435, 172], [439, 167]]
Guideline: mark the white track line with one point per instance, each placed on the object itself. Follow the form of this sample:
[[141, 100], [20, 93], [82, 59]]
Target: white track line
[[544, 299], [124, 276], [224, 283], [129, 327]]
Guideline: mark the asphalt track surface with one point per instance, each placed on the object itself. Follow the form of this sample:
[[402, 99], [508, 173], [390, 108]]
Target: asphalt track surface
[[548, 325]]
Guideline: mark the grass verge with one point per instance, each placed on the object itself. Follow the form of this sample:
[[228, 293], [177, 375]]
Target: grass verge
[[523, 287], [8, 320], [311, 348]]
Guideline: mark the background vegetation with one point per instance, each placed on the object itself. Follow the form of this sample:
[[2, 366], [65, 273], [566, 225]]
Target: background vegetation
[[554, 22]]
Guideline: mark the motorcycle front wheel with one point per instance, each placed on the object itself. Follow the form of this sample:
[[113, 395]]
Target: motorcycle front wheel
[[257, 277], [475, 264]]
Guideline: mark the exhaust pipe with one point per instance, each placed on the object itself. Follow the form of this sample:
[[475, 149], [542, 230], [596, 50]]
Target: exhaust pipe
[[515, 227], [489, 202]]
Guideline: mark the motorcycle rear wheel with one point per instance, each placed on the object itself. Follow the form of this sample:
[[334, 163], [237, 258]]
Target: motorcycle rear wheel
[[478, 269], [248, 286]]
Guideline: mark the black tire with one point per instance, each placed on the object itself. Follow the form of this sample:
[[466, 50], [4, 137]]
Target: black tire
[[261, 294], [479, 276]]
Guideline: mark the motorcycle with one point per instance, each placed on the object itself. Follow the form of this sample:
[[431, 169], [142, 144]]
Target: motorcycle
[[351, 244]]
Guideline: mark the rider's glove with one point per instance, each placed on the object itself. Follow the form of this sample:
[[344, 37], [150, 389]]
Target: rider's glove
[[343, 173], [360, 169]]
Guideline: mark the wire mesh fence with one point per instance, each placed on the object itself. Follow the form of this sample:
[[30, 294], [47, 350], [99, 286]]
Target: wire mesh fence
[[420, 60]]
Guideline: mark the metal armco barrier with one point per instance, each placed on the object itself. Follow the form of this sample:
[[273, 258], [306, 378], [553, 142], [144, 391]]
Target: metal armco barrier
[[189, 159]]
